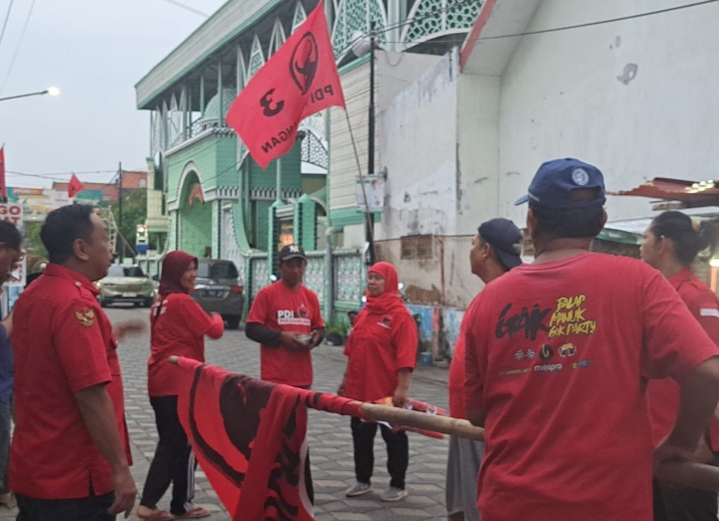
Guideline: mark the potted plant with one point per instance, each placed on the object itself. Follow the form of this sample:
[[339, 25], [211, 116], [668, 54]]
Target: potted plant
[[336, 333]]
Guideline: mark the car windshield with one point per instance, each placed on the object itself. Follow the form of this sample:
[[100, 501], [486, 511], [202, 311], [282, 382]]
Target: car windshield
[[217, 270], [125, 271]]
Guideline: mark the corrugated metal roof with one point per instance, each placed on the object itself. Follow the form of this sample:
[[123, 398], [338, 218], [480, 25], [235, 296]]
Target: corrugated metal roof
[[689, 193]]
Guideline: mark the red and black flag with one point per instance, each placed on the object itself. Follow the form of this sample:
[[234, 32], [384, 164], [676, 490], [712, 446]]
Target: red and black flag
[[75, 186], [249, 437], [299, 80]]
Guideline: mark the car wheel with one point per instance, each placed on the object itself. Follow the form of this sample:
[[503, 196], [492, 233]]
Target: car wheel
[[104, 303], [148, 302], [233, 322]]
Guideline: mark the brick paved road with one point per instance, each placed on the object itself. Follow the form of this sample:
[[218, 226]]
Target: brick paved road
[[329, 437]]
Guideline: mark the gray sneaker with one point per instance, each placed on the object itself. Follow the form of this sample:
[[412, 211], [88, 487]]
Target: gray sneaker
[[394, 494], [358, 489]]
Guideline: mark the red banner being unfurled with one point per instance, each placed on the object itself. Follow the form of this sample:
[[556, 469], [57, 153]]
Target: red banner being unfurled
[[249, 437], [301, 79]]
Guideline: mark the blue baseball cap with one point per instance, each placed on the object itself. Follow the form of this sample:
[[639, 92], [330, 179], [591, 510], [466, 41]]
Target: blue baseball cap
[[555, 181], [506, 240]]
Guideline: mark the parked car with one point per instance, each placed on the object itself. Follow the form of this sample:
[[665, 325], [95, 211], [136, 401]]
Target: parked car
[[218, 289], [126, 283]]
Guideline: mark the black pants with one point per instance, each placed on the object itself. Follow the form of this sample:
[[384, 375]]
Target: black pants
[[93, 508], [684, 504], [363, 434], [173, 462]]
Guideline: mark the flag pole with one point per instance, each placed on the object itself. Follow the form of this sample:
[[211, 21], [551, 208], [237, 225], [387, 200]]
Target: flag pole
[[686, 473], [368, 216]]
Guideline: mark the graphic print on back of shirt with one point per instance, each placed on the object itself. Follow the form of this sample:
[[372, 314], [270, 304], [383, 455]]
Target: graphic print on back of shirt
[[569, 317]]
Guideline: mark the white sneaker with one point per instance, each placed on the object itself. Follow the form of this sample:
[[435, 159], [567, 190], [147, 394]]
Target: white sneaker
[[358, 489], [394, 494]]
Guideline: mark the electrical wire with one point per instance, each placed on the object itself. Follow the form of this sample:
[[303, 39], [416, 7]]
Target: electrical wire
[[187, 8], [7, 17], [582, 25], [17, 49]]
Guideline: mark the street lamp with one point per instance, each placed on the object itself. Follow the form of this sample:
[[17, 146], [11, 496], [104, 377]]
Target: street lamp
[[52, 91], [361, 45]]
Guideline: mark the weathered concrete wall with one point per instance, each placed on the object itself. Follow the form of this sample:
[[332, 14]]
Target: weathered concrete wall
[[637, 97], [419, 150]]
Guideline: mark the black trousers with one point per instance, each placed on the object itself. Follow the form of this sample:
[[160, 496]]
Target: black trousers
[[683, 504], [173, 463], [363, 434], [93, 508]]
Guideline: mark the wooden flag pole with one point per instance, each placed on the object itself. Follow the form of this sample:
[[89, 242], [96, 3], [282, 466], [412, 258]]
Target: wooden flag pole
[[683, 473]]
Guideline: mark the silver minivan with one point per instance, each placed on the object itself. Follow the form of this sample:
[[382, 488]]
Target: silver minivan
[[218, 289]]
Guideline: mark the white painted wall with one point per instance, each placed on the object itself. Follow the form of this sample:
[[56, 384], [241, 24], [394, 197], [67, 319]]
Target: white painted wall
[[418, 147], [564, 94]]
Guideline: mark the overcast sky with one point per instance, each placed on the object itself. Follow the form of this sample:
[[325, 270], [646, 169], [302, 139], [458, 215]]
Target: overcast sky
[[94, 51]]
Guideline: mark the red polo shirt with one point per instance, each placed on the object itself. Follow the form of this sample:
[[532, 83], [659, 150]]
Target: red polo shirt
[[63, 343], [664, 394], [377, 350], [557, 357], [278, 307]]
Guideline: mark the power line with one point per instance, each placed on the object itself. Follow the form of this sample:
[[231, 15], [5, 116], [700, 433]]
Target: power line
[[7, 17], [582, 25], [187, 8], [19, 44], [419, 18]]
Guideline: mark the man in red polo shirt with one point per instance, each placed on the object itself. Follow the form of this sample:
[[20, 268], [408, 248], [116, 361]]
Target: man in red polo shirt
[[285, 319], [557, 354], [70, 457]]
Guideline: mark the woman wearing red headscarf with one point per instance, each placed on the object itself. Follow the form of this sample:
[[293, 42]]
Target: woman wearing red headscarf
[[179, 326], [381, 352]]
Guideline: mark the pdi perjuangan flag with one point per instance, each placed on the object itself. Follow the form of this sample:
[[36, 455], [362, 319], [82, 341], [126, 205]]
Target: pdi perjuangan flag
[[250, 438], [299, 80]]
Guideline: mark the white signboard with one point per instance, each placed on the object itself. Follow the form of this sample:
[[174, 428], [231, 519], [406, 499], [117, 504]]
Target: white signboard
[[12, 212], [373, 189]]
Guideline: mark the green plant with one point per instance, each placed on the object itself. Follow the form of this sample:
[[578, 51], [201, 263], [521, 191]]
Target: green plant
[[338, 327]]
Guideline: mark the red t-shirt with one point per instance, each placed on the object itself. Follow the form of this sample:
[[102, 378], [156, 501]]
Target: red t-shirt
[[455, 382], [376, 352], [179, 326], [278, 307], [663, 395], [555, 356], [63, 344]]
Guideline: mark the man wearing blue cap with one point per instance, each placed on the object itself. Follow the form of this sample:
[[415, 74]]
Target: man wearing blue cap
[[557, 357], [496, 249]]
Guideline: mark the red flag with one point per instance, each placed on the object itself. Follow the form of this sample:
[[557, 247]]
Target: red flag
[[299, 80], [249, 437], [3, 184], [74, 186]]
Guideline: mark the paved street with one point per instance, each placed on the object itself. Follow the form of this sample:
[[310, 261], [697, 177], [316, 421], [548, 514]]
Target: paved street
[[329, 437]]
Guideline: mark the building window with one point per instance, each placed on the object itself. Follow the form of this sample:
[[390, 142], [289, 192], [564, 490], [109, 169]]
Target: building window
[[418, 247]]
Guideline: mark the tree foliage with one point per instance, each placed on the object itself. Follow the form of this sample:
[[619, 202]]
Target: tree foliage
[[134, 212]]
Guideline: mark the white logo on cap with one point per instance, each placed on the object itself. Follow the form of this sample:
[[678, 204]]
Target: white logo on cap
[[294, 249], [580, 176]]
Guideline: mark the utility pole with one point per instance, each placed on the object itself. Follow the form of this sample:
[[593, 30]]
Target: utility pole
[[369, 220], [119, 200]]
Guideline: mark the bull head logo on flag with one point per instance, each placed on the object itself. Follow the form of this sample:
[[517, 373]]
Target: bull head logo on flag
[[304, 62], [299, 80]]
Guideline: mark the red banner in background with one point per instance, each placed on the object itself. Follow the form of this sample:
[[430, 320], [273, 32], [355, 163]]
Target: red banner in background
[[249, 437], [299, 80]]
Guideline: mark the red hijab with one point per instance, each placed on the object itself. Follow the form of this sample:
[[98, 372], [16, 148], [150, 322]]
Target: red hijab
[[388, 302], [174, 267]]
